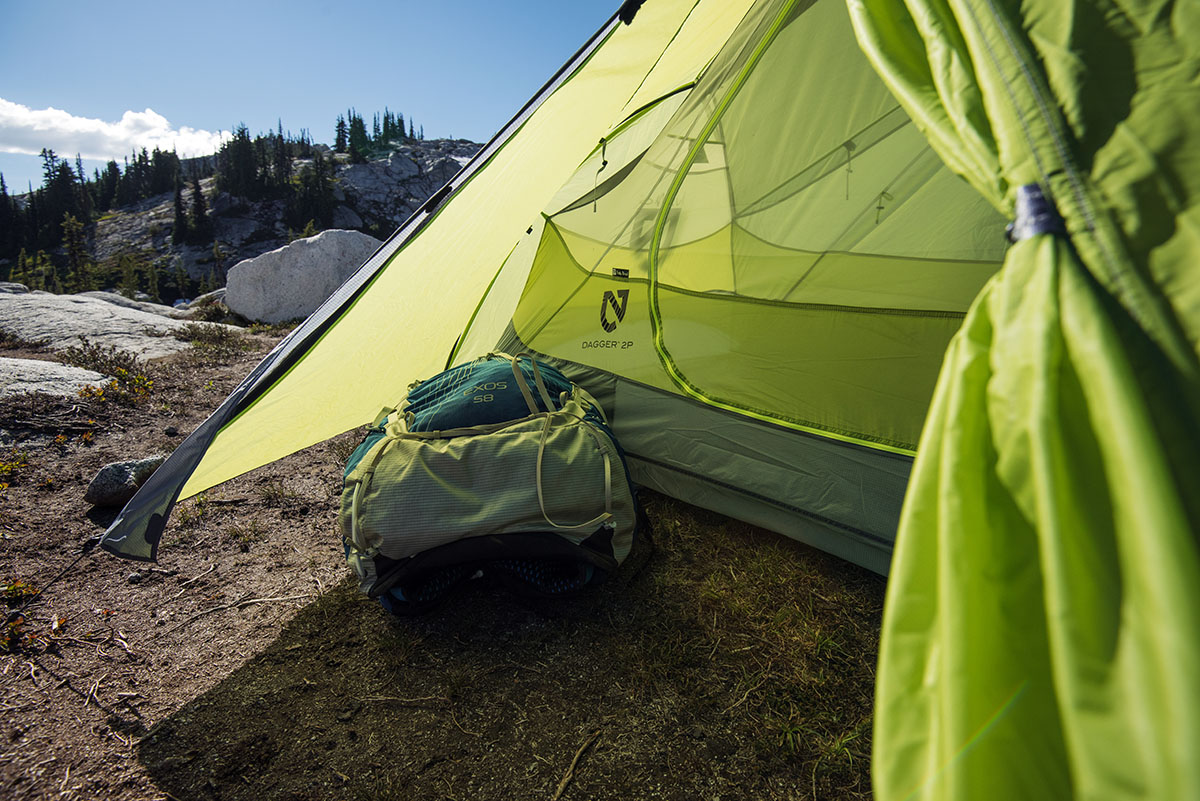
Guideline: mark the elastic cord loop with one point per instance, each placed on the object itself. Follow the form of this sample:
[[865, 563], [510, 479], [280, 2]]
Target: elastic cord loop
[[1036, 215]]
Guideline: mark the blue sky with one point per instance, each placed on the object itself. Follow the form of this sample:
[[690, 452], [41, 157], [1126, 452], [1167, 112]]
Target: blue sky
[[124, 73]]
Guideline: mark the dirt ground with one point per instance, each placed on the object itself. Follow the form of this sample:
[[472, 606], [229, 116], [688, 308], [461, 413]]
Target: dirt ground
[[721, 662]]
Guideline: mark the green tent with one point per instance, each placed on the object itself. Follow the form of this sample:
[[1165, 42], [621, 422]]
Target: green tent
[[721, 223], [758, 255]]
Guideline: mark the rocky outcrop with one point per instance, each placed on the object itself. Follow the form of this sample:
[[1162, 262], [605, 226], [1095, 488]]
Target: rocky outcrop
[[376, 196], [19, 376], [386, 192], [59, 321], [291, 282], [143, 226]]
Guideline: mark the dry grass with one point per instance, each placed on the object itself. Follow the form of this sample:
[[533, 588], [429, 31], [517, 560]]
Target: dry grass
[[722, 661]]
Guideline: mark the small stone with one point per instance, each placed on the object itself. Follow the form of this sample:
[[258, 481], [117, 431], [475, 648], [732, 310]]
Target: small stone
[[117, 482], [171, 431], [135, 577]]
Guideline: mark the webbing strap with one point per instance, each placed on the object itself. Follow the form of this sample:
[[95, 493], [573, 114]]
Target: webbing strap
[[354, 538], [601, 518], [361, 483], [523, 385], [398, 430]]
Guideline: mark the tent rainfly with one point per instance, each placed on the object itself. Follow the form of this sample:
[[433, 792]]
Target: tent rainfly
[[743, 226]]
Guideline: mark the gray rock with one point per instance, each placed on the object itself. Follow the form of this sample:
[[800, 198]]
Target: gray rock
[[387, 192], [400, 166], [237, 231], [10, 288], [60, 320], [121, 300], [145, 225], [223, 203], [117, 482], [18, 376], [217, 295], [442, 170], [346, 217], [291, 282]]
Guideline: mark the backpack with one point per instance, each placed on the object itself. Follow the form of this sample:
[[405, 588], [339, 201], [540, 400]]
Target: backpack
[[498, 468]]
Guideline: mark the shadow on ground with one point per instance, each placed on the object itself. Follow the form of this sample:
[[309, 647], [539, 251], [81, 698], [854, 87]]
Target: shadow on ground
[[727, 663]]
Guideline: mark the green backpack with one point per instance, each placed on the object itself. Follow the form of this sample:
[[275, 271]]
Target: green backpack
[[542, 502]]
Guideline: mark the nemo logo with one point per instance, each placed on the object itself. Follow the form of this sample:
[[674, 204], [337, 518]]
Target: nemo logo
[[619, 302]]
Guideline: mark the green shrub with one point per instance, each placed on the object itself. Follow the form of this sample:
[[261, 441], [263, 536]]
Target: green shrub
[[217, 341], [130, 385], [105, 359]]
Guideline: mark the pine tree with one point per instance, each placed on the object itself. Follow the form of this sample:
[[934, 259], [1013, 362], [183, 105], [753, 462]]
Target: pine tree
[[58, 196], [179, 233], [20, 273], [85, 197], [79, 278], [199, 227], [339, 136], [10, 228], [32, 217], [282, 166], [217, 274], [262, 167], [400, 126], [411, 133], [128, 285], [359, 144], [207, 284], [106, 189], [152, 281], [182, 282], [237, 165], [313, 198], [49, 165], [39, 272], [161, 169], [125, 191]]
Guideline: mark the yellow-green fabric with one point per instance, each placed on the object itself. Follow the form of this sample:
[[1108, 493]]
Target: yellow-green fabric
[[790, 247], [407, 322], [1041, 634]]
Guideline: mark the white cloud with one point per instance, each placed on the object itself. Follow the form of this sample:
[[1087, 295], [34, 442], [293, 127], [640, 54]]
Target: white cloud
[[26, 130]]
